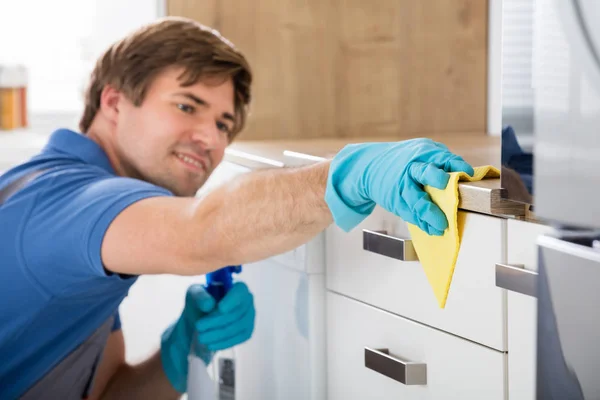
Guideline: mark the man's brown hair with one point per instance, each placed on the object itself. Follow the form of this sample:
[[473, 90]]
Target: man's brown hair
[[131, 64]]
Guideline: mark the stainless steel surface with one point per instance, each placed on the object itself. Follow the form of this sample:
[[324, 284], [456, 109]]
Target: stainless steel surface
[[517, 99], [568, 319], [550, 159], [406, 372], [586, 35], [567, 113], [516, 279], [381, 243]]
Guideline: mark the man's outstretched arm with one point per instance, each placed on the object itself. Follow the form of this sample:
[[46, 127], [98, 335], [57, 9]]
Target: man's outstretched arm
[[265, 213], [256, 216]]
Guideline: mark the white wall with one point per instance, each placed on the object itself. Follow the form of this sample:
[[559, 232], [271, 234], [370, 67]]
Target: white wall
[[58, 41], [517, 64], [494, 93], [45, 36], [114, 19], [517, 52]]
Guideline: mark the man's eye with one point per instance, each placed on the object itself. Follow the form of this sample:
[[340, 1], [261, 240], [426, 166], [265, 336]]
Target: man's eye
[[186, 108], [223, 127]]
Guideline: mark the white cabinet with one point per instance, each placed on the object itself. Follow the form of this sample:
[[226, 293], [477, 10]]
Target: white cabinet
[[522, 311], [455, 368], [480, 346], [225, 172], [285, 359], [475, 308], [154, 302]]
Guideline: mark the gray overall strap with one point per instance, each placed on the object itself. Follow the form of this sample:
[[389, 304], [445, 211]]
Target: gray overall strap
[[17, 185], [73, 377]]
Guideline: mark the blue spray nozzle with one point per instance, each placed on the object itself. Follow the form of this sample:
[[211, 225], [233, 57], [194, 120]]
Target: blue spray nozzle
[[220, 281]]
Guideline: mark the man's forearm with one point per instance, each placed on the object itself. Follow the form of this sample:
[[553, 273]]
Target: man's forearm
[[144, 381], [263, 214]]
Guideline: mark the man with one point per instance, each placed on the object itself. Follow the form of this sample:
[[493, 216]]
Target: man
[[93, 211]]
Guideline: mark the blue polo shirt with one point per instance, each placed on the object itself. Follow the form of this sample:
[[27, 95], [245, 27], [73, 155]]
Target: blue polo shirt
[[54, 290]]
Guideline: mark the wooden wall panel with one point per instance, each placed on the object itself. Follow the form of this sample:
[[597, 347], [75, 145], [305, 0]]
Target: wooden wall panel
[[204, 11], [368, 90], [444, 66], [366, 22], [307, 76], [352, 68]]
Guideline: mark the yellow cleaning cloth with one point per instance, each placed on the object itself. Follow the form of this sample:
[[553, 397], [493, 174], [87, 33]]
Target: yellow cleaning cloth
[[438, 254]]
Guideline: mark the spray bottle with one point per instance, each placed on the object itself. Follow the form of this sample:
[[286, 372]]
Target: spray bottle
[[200, 385]]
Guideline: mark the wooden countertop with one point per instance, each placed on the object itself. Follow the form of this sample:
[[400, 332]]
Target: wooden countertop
[[484, 196]]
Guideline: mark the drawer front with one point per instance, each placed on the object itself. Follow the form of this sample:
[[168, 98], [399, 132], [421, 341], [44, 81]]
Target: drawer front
[[522, 310], [453, 368], [475, 306]]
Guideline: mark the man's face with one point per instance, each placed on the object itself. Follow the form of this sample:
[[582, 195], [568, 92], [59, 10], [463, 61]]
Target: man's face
[[178, 135]]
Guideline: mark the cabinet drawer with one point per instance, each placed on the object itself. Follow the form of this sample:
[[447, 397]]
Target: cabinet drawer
[[475, 306], [454, 368]]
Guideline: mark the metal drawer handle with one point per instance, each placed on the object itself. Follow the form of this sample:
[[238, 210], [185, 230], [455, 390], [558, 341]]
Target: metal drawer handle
[[381, 243], [406, 372], [517, 279]]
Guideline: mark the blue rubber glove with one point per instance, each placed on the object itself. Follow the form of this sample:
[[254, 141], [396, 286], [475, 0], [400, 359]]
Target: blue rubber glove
[[391, 175], [206, 327]]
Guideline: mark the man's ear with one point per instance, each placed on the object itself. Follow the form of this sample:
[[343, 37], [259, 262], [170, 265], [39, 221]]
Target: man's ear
[[109, 103]]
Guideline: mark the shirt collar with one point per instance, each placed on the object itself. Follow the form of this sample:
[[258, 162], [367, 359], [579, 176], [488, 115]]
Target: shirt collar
[[79, 146]]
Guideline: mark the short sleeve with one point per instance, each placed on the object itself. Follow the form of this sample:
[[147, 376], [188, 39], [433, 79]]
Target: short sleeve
[[73, 209]]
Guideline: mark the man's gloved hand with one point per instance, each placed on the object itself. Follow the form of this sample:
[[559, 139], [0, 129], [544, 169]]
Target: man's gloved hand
[[206, 327], [391, 175]]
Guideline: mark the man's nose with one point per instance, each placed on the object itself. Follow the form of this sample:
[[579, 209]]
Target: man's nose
[[207, 134]]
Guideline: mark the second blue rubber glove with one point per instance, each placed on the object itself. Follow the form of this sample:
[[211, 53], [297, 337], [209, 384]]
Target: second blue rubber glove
[[206, 327], [231, 323], [391, 175]]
